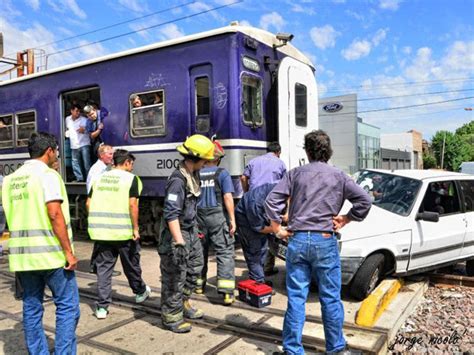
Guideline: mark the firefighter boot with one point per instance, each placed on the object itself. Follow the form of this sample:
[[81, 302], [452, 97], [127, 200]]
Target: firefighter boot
[[191, 312]]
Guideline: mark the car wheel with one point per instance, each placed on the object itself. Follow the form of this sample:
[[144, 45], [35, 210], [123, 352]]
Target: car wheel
[[367, 277], [470, 267]]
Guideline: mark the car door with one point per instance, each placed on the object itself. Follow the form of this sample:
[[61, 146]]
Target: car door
[[467, 188], [438, 242]]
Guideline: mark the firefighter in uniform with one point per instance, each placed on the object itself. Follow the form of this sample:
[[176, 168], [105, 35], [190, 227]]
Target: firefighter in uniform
[[180, 249], [113, 224], [217, 223], [40, 244]]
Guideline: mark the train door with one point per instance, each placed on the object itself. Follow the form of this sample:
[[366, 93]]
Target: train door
[[81, 98], [201, 98], [297, 109]]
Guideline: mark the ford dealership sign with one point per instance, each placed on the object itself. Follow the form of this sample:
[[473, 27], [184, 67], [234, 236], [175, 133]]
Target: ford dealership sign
[[333, 107]]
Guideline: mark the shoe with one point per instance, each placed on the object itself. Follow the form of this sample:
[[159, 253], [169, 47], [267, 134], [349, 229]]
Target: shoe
[[190, 312], [179, 327], [116, 273], [101, 313], [269, 283], [346, 351], [142, 297], [199, 291], [271, 272], [228, 299], [92, 270]]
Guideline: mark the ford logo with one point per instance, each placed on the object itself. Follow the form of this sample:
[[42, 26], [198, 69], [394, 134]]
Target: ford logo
[[333, 107]]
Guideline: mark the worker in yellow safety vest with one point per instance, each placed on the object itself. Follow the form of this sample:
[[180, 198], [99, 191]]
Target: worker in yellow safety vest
[[113, 224], [40, 245]]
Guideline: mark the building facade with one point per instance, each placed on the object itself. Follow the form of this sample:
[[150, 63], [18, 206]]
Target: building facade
[[356, 145], [410, 142]]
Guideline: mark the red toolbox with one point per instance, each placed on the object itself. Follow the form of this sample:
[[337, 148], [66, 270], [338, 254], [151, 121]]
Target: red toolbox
[[255, 293]]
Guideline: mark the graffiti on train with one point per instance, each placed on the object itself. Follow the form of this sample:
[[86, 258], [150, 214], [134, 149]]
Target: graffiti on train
[[6, 168]]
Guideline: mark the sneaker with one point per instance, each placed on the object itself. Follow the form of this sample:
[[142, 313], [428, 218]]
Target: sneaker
[[228, 299], [116, 273], [142, 297], [179, 327], [101, 313], [199, 291], [191, 312]]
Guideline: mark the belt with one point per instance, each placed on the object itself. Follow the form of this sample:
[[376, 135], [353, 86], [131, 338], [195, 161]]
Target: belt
[[325, 234]]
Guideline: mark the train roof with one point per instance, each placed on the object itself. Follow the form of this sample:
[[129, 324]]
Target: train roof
[[256, 33]]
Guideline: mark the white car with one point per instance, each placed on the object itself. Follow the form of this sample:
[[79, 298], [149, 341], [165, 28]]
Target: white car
[[420, 220]]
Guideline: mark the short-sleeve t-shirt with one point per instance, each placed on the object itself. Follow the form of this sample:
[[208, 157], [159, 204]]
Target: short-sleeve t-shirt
[[50, 181], [208, 193]]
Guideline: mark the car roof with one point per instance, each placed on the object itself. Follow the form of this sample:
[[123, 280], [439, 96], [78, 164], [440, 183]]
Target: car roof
[[419, 174]]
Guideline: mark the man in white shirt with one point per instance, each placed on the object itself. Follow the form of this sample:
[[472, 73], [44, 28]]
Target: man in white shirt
[[80, 143], [106, 156]]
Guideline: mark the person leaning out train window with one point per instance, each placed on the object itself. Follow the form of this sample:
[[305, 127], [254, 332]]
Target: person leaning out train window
[[95, 126], [136, 101]]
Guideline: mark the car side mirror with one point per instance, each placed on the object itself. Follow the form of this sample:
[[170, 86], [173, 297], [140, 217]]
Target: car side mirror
[[427, 216]]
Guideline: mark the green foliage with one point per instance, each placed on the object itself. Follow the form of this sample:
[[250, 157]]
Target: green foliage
[[466, 132], [429, 161], [456, 150]]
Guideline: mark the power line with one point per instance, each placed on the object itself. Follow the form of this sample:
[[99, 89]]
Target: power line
[[146, 28], [409, 83], [403, 107], [109, 26], [406, 95]]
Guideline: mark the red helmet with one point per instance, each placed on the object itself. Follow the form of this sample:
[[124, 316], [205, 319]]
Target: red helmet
[[218, 150]]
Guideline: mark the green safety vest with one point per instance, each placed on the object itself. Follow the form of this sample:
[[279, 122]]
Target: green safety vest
[[32, 244], [109, 209]]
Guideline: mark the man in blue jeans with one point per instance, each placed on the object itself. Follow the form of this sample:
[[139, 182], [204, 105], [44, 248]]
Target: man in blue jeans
[[317, 192], [40, 245], [253, 227]]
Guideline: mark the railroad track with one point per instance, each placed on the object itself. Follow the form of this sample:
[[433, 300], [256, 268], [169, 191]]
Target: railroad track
[[256, 330], [448, 279]]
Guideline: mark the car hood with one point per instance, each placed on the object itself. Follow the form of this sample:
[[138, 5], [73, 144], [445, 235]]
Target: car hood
[[378, 221]]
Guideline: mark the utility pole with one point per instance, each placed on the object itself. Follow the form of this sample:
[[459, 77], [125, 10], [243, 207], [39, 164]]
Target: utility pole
[[442, 150]]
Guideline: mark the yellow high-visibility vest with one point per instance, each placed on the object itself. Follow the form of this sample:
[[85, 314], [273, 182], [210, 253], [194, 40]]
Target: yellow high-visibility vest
[[109, 210], [32, 244]]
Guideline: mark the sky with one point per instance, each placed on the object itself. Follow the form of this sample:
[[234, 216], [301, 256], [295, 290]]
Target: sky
[[391, 53]]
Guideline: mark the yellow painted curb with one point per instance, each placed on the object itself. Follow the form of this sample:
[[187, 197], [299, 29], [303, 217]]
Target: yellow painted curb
[[373, 306]]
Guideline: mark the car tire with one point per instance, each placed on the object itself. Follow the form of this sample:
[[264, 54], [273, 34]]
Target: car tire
[[367, 277], [470, 267]]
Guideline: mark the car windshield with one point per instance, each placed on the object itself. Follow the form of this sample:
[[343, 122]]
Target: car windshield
[[391, 192]]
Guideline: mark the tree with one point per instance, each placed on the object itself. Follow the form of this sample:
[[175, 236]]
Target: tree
[[456, 150], [429, 161], [466, 133]]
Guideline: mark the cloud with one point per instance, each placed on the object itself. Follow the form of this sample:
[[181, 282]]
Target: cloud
[[171, 31], [379, 36], [421, 66], [301, 9], [134, 5], [406, 50], [324, 37], [34, 4], [66, 6], [357, 50], [200, 7], [360, 48], [389, 4], [245, 23], [272, 19]]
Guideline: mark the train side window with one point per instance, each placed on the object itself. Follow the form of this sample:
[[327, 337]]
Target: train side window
[[252, 102], [147, 114], [6, 131], [301, 105], [203, 104], [25, 125]]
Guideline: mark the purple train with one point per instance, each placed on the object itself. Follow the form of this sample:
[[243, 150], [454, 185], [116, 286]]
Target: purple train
[[244, 85]]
